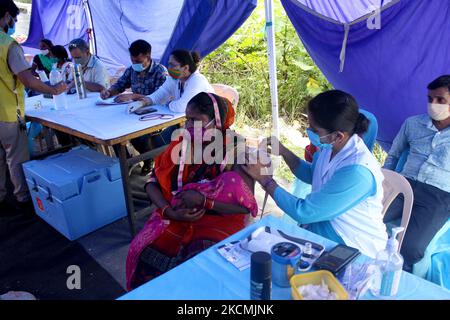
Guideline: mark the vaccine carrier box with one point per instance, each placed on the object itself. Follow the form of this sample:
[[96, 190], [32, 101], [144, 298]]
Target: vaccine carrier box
[[76, 192]]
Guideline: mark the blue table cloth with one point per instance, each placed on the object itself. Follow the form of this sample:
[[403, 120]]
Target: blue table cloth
[[208, 276]]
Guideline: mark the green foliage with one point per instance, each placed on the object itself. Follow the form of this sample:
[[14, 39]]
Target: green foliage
[[242, 63], [379, 154]]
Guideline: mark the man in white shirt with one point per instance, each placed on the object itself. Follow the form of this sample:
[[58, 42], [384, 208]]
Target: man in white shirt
[[95, 74]]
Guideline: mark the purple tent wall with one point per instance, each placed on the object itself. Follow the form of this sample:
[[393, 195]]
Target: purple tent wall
[[387, 70], [57, 20]]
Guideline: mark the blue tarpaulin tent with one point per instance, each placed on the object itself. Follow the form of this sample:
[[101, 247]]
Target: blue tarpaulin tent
[[384, 52], [112, 25]]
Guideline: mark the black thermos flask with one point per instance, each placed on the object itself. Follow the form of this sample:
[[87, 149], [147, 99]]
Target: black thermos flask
[[260, 276]]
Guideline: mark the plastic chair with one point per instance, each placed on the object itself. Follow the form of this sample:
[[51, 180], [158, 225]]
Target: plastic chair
[[370, 136], [33, 130], [394, 184], [436, 260], [228, 92]]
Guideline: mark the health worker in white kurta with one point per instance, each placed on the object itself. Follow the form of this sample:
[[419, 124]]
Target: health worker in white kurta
[[345, 204]]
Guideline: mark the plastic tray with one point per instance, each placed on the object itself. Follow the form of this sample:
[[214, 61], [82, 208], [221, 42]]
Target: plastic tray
[[315, 278]]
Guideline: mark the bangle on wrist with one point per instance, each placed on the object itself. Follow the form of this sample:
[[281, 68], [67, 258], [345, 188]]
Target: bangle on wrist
[[209, 203], [204, 201], [163, 210]]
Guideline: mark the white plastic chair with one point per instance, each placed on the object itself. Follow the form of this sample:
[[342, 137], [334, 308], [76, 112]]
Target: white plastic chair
[[394, 184], [228, 92]]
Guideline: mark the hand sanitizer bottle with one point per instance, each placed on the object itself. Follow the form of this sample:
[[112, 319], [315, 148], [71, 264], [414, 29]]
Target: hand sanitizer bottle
[[59, 100], [390, 264]]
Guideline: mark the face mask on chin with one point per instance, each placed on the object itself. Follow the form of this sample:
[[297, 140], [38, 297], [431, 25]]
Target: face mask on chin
[[438, 112]]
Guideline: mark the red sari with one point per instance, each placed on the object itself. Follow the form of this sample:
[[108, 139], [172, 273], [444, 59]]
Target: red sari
[[179, 240]]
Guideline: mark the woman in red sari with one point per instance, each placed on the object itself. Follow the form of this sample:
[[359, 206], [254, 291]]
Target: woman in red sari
[[198, 205]]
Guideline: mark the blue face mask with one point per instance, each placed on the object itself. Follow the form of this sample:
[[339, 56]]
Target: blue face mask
[[315, 140], [11, 30], [138, 67]]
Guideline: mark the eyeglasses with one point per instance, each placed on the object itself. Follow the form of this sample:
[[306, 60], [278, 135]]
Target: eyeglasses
[[156, 116], [79, 46]]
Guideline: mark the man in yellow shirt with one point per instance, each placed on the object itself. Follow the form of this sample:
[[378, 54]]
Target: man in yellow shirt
[[15, 75]]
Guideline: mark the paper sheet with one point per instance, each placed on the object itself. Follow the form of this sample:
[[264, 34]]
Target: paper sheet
[[108, 102]]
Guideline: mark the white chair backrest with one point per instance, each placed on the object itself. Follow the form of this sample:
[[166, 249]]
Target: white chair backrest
[[228, 92], [394, 184]]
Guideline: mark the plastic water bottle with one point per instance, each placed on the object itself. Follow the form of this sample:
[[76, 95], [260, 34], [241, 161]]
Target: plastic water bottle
[[42, 75], [60, 99], [390, 264]]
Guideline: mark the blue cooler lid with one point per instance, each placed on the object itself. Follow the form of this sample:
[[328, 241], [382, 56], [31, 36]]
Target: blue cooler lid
[[63, 173], [286, 253]]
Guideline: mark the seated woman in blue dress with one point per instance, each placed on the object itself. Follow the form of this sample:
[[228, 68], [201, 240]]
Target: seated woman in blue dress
[[345, 204]]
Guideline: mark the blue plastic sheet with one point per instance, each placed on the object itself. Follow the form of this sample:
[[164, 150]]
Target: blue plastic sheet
[[209, 276]]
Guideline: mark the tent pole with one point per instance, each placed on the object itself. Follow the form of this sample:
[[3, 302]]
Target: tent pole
[[92, 42], [270, 34]]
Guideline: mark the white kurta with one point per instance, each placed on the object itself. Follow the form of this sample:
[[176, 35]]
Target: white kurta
[[362, 226]]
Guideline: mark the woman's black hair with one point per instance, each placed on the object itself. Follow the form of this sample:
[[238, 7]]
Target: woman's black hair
[[184, 57], [60, 53], [203, 104], [337, 110], [48, 42]]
